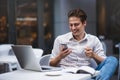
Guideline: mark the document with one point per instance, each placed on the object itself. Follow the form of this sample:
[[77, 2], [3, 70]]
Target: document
[[82, 70]]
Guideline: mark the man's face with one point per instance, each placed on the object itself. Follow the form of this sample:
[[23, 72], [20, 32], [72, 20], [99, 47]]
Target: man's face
[[76, 26]]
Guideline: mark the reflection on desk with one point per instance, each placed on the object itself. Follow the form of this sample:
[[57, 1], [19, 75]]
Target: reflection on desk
[[32, 75]]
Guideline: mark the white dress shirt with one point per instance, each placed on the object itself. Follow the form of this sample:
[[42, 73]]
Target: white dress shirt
[[77, 58]]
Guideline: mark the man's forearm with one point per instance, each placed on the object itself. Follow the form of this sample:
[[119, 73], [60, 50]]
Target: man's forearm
[[55, 61], [98, 58]]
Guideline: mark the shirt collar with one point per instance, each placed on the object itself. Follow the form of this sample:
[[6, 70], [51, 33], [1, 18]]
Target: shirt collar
[[72, 38]]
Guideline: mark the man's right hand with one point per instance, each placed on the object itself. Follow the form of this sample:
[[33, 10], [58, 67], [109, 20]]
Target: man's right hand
[[63, 53]]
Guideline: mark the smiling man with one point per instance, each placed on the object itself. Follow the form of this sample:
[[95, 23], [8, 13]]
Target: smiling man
[[81, 48]]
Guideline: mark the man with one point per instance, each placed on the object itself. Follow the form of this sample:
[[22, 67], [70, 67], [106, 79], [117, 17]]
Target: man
[[82, 47]]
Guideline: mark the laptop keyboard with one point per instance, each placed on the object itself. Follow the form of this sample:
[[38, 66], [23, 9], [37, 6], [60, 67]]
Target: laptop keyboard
[[51, 68]]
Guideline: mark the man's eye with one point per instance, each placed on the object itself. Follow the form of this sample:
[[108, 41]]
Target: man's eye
[[76, 24], [71, 24]]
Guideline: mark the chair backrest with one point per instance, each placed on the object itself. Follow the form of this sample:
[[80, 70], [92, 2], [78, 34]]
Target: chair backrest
[[118, 46], [44, 61], [104, 47], [93, 63], [119, 63], [5, 49], [38, 52]]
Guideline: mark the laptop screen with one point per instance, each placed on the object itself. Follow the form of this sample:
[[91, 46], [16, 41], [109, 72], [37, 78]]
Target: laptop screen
[[26, 57]]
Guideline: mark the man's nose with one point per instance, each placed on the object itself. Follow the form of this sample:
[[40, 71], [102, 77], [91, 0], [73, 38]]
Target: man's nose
[[73, 27]]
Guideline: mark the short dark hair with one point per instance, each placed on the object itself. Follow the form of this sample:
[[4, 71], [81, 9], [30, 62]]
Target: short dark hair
[[78, 13]]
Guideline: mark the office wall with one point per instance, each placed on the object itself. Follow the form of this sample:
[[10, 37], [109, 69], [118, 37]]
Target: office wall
[[61, 8], [108, 17]]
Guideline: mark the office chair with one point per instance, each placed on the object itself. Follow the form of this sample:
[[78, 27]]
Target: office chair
[[44, 61], [38, 52], [118, 46], [6, 52]]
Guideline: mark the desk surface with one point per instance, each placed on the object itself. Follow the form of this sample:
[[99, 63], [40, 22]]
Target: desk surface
[[32, 75]]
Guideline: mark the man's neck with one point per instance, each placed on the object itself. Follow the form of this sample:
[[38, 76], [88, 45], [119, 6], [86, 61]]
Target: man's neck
[[80, 37]]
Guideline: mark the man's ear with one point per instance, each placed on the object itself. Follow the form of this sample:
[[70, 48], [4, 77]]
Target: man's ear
[[85, 23]]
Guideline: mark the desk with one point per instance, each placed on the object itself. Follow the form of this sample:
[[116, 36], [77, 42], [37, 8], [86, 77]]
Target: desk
[[32, 75]]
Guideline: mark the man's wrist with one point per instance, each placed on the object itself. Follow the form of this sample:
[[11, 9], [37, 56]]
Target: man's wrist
[[94, 56], [59, 57]]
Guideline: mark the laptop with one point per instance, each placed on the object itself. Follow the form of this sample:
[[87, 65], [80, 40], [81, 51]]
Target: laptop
[[28, 60]]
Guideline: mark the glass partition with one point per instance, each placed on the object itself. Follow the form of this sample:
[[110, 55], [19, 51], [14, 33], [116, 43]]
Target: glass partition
[[26, 21], [3, 22]]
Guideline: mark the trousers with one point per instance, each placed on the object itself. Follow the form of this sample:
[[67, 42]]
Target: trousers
[[107, 68]]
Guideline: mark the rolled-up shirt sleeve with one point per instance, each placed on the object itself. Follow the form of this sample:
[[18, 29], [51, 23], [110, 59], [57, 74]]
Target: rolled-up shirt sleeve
[[56, 47], [98, 48]]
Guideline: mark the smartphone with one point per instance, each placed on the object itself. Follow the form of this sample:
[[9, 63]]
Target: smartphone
[[65, 46]]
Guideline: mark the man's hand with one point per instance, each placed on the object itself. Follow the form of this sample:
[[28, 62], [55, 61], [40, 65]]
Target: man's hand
[[89, 52], [64, 52]]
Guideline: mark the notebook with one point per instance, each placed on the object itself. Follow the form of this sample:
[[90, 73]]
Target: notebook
[[28, 60]]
